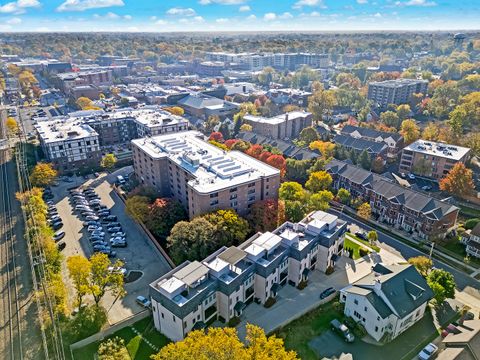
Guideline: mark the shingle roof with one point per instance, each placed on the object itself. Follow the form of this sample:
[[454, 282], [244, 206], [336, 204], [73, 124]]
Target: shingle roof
[[372, 147], [370, 133], [430, 207]]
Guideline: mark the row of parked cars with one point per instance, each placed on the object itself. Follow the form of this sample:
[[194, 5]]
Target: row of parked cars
[[98, 221], [56, 223]]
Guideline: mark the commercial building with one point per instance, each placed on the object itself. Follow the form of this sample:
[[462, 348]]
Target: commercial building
[[394, 141], [288, 125], [202, 177], [388, 301], [431, 159], [69, 144], [402, 208], [203, 105], [395, 91], [195, 294]]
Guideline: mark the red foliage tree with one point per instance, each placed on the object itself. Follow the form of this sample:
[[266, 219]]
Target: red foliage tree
[[277, 161], [216, 136], [264, 156], [230, 142], [255, 151], [164, 213], [266, 215]]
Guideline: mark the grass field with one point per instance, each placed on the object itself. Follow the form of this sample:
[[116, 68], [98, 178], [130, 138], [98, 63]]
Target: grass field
[[366, 243], [136, 346], [299, 332]]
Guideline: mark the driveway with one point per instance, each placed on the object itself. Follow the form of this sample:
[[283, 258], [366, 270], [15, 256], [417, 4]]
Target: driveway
[[140, 254]]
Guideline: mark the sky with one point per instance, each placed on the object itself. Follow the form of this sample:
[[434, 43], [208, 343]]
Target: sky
[[238, 15]]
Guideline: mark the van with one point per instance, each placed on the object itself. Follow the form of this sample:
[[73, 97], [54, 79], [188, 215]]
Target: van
[[120, 180]]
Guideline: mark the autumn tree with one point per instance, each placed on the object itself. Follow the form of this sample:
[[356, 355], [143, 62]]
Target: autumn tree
[[344, 196], [43, 175], [102, 279], [390, 119], [430, 132], [308, 135], [12, 126], [163, 214], [444, 99], [326, 148], [364, 211], [138, 207], [108, 161], [422, 263], [372, 236], [320, 200], [403, 111], [211, 123], [85, 103], [79, 271], [410, 131], [255, 151], [278, 162], [224, 343], [267, 215], [318, 181], [246, 127], [321, 103], [216, 136], [229, 228], [459, 181], [113, 349], [442, 284], [175, 110]]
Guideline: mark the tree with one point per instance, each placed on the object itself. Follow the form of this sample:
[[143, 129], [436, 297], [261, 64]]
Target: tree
[[255, 151], [390, 119], [102, 279], [430, 132], [364, 160], [79, 271], [344, 196], [295, 210], [459, 181], [267, 215], [137, 207], [246, 127], [308, 135], [364, 211], [43, 175], [210, 124], [230, 229], [241, 145], [403, 111], [318, 181], [12, 126], [321, 103], [444, 99], [108, 161], [456, 121], [326, 148], [372, 236], [297, 170], [378, 165], [216, 136], [278, 162], [175, 110], [422, 263], [442, 284], [84, 103], [320, 200], [113, 349], [163, 214], [291, 191], [224, 343], [192, 240], [410, 131]]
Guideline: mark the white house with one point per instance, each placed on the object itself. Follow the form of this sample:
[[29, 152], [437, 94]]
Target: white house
[[387, 301]]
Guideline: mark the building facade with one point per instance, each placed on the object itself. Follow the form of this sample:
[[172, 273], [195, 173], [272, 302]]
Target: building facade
[[431, 159], [285, 126], [402, 208], [202, 177], [195, 294], [471, 239], [395, 91]]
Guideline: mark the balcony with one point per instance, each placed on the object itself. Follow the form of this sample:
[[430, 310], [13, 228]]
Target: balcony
[[210, 313]]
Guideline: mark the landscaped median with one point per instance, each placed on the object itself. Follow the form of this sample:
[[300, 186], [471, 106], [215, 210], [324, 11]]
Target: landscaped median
[[141, 340]]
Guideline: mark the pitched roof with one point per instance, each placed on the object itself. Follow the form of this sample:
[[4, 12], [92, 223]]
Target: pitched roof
[[372, 147], [476, 230], [430, 207], [469, 336], [371, 133]]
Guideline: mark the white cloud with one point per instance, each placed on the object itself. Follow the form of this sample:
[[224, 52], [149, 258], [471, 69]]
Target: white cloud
[[244, 8], [362, 1], [14, 21], [221, 2], [181, 11], [251, 17], [285, 15], [301, 3], [161, 22], [108, 16], [18, 7], [314, 13], [377, 15], [423, 3], [82, 5], [222, 21], [127, 17], [199, 19], [270, 16]]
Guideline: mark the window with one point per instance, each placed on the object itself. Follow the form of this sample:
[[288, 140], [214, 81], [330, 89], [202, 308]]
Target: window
[[233, 196], [233, 189], [355, 302], [365, 308], [163, 316], [214, 195], [173, 318], [376, 328]]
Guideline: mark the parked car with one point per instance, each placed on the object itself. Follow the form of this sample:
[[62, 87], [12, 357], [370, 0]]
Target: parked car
[[428, 352], [411, 176], [51, 214], [61, 245], [113, 224], [120, 270], [327, 292], [107, 251], [98, 233], [426, 188], [361, 235], [114, 229], [96, 238], [94, 227], [59, 235], [54, 218], [111, 218], [120, 244], [119, 234], [342, 329], [94, 202], [88, 223], [99, 244], [95, 218], [143, 301], [57, 225]]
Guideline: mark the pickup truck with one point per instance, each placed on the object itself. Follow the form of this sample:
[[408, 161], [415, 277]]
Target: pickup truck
[[343, 330]]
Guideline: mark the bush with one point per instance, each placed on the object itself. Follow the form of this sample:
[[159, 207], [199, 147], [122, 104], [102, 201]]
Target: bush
[[270, 302], [234, 321], [302, 285], [470, 223], [329, 270], [338, 306], [363, 252]]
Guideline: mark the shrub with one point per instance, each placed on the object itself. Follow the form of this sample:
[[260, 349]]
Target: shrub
[[329, 270], [270, 302], [302, 285], [470, 223], [363, 252], [234, 321], [338, 306]]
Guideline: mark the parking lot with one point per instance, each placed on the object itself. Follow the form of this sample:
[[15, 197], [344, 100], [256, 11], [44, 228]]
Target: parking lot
[[140, 254]]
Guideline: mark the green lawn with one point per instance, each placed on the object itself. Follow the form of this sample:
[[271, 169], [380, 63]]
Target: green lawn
[[299, 332], [458, 248], [374, 247], [349, 244], [136, 346]]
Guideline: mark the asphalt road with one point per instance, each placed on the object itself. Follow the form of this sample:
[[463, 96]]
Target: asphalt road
[[462, 280]]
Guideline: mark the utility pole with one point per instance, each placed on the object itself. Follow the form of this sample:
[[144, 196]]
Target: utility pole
[[432, 244]]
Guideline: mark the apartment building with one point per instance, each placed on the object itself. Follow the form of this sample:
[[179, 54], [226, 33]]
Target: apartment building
[[394, 141], [69, 144], [69, 80], [388, 301], [471, 239], [373, 148], [288, 125], [195, 294], [395, 91], [402, 208], [431, 159], [202, 177]]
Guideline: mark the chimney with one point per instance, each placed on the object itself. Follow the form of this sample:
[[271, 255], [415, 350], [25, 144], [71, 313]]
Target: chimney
[[378, 285], [244, 89], [286, 117]]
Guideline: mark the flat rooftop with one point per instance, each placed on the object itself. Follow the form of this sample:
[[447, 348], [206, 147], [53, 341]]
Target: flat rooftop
[[277, 119], [398, 82], [212, 168], [149, 116], [63, 130], [443, 150]]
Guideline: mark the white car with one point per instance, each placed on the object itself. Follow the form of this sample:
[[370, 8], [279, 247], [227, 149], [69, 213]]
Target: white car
[[120, 234], [428, 352], [411, 176], [98, 233], [94, 227]]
